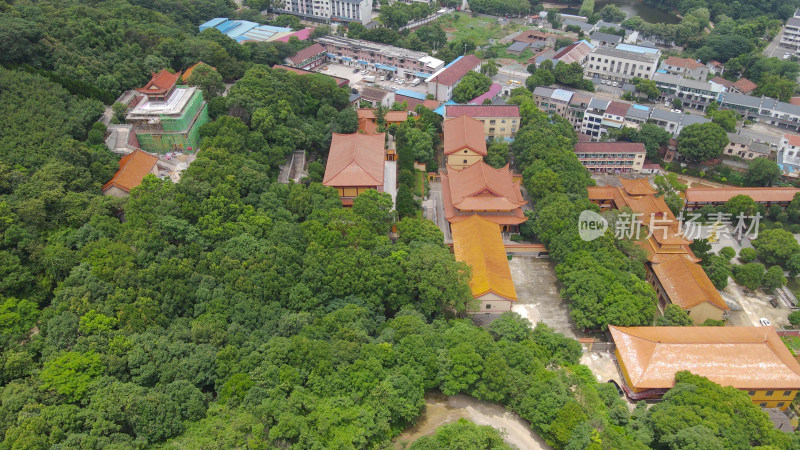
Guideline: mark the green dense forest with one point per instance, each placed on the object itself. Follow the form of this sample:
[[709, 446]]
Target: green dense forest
[[229, 310]]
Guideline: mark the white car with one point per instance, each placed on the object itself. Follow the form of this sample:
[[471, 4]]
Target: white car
[[401, 81], [765, 322], [615, 84], [604, 81], [364, 72]]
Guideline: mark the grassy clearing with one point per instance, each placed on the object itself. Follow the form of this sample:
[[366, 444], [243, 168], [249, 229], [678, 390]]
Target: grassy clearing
[[793, 343], [421, 186], [522, 58], [479, 29], [793, 286]]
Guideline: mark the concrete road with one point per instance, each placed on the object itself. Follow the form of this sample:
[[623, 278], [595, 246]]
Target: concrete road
[[434, 209], [773, 49], [538, 297]]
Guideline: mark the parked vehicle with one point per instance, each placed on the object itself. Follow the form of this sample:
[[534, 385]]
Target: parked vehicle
[[615, 84], [369, 79], [765, 322], [415, 81], [355, 70], [401, 81], [383, 78]]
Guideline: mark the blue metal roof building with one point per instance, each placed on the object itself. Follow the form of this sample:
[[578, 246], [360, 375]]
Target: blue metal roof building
[[243, 30]]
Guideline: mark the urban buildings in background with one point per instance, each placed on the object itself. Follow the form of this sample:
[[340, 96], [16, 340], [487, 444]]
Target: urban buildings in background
[[329, 10]]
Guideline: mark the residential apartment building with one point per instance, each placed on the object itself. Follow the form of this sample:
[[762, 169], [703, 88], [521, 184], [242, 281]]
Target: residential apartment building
[[167, 117], [789, 154], [685, 67], [387, 59], [552, 101], [622, 62], [791, 32], [744, 147], [329, 10], [611, 157], [763, 109], [636, 116], [442, 83], [593, 117], [692, 92], [308, 58], [614, 115], [650, 357], [576, 109], [499, 121], [674, 122]]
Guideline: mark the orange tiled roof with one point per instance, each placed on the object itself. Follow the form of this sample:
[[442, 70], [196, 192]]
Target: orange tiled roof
[[479, 243], [160, 83], [188, 72], [683, 62], [395, 116], [751, 358], [744, 85], [453, 187], [355, 160], [365, 113], [464, 132], [722, 195], [637, 187], [132, 169], [685, 282], [482, 187]]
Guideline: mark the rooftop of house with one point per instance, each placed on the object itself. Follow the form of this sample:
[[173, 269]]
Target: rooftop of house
[[606, 37], [609, 147], [188, 72], [355, 160], [339, 81], [752, 358], [133, 167], [374, 94], [618, 52], [384, 49], [723, 194], [792, 139], [722, 81], [456, 71], [482, 111], [494, 89], [618, 108], [464, 132], [744, 85], [687, 63], [479, 243], [174, 105], [574, 53], [306, 53]]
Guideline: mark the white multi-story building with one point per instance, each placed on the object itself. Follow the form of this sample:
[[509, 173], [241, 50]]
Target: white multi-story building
[[791, 32], [694, 93], [329, 10], [622, 62], [685, 67]]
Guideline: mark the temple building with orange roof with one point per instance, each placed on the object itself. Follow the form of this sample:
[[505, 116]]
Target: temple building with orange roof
[[698, 197], [167, 117], [368, 120], [479, 243], [672, 267], [133, 167], [356, 163], [751, 359], [188, 72], [482, 190], [464, 141]]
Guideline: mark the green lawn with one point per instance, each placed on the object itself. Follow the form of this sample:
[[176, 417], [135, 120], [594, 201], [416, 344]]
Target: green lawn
[[793, 343], [480, 29], [522, 58], [421, 186]]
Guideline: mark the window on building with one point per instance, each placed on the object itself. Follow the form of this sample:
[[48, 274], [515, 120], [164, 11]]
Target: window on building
[[465, 161], [751, 393], [491, 122], [781, 404], [762, 404], [787, 393], [769, 393], [488, 306]]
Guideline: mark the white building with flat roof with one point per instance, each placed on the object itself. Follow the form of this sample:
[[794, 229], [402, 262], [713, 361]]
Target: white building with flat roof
[[623, 62], [329, 10]]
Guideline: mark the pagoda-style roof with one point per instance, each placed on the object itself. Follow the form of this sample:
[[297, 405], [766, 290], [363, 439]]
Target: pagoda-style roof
[[160, 84]]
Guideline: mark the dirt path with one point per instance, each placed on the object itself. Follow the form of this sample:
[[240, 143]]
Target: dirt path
[[441, 410]]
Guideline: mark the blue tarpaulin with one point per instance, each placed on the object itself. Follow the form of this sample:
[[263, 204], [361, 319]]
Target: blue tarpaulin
[[385, 67], [362, 62], [422, 75]]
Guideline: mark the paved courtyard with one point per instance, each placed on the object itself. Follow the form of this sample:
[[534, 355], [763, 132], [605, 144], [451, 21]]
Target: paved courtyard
[[537, 295]]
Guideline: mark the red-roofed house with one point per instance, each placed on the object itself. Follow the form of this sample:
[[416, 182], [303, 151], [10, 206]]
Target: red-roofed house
[[577, 52], [499, 121], [441, 85], [464, 142], [716, 67], [722, 81], [308, 58], [485, 191], [744, 86], [355, 164], [160, 85], [133, 168], [686, 67]]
